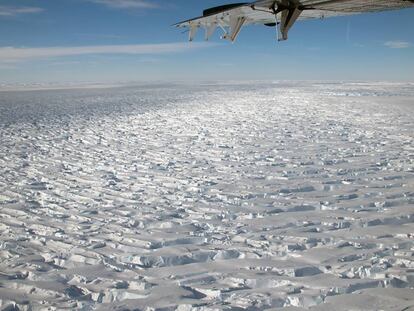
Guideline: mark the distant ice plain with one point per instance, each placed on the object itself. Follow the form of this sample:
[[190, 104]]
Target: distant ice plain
[[245, 196]]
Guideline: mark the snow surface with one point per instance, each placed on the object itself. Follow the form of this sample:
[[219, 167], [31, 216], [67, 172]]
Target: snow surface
[[212, 197]]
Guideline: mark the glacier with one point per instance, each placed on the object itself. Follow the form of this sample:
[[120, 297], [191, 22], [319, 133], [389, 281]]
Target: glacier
[[237, 196]]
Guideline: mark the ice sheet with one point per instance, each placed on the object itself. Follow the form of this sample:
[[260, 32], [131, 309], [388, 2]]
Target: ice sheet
[[208, 197]]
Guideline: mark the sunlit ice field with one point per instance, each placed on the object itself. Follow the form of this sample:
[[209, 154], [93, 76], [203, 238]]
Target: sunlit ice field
[[243, 196]]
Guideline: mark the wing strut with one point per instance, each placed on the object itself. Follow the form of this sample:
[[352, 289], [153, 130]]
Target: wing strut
[[277, 26], [210, 29], [193, 31], [289, 12], [289, 17], [235, 26]]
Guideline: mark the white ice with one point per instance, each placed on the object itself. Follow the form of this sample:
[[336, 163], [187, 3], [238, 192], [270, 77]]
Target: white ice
[[249, 196]]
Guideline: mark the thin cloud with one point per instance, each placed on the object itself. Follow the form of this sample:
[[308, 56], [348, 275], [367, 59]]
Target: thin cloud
[[7, 67], [397, 44], [14, 11], [13, 54], [127, 4]]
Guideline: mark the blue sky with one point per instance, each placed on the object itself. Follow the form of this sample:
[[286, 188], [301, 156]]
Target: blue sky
[[132, 40]]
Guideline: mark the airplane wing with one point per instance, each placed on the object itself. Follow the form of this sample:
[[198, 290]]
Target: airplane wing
[[281, 14]]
